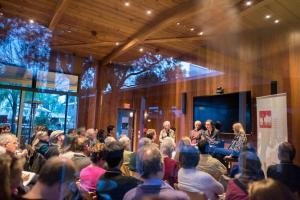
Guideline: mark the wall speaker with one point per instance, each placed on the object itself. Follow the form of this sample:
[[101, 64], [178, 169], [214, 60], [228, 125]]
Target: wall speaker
[[183, 102], [273, 87]]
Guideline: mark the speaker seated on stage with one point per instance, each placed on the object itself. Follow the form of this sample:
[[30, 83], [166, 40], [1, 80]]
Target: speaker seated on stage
[[236, 145], [212, 134]]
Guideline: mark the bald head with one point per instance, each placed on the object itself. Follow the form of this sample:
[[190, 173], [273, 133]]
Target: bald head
[[149, 161]]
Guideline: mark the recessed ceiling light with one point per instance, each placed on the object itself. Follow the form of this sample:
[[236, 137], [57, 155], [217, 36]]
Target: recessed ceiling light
[[276, 21], [192, 29], [141, 50], [69, 31], [200, 33], [127, 4], [31, 21], [1, 13], [267, 16], [248, 3], [117, 43], [149, 12], [178, 23]]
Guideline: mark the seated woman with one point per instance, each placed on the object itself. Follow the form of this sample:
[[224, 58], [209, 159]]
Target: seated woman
[[89, 175], [236, 145]]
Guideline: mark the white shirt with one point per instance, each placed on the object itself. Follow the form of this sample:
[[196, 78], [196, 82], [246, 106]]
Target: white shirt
[[193, 180]]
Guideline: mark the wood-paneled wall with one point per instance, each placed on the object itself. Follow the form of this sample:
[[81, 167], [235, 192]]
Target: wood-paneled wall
[[248, 63]]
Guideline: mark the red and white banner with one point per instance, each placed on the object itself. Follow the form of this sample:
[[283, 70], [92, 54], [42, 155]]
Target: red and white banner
[[271, 127]]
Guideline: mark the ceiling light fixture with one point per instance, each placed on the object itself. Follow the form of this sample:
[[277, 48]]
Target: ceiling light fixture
[[276, 21], [127, 4], [117, 43], [141, 50], [149, 12], [178, 23], [1, 13], [200, 33], [248, 3], [267, 16], [31, 21], [192, 29]]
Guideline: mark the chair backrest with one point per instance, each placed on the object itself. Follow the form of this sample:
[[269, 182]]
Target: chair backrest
[[192, 195]]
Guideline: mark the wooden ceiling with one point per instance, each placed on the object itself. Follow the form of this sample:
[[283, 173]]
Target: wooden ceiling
[[111, 31]]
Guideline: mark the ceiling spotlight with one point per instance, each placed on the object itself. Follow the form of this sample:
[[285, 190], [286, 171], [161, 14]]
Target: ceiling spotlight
[[276, 21], [178, 23], [117, 43], [192, 29], [127, 4], [149, 12], [69, 31], [267, 16], [248, 3], [31, 21], [141, 50], [200, 33], [1, 13]]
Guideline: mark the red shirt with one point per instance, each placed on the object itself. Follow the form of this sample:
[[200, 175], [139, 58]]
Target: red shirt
[[171, 170]]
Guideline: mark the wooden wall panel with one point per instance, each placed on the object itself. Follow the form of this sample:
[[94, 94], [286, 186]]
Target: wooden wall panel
[[250, 64]]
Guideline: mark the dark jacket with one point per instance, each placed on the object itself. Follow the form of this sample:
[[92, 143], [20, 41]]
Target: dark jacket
[[113, 185]]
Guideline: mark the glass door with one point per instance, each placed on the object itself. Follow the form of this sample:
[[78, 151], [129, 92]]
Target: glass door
[[49, 110], [9, 108]]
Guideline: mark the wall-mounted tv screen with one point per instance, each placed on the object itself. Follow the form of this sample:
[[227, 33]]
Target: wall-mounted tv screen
[[225, 109]]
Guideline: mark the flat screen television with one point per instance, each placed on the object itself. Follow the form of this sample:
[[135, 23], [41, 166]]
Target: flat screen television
[[226, 109]]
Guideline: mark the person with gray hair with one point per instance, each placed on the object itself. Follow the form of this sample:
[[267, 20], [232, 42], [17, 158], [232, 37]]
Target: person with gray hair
[[9, 142], [171, 166], [192, 180], [150, 167], [166, 132], [109, 140], [132, 161], [286, 171], [125, 142]]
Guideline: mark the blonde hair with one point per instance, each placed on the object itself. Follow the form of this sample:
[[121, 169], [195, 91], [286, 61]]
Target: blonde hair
[[238, 128], [269, 189]]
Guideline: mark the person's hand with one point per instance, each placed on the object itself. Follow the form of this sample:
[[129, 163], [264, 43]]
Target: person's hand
[[226, 158]]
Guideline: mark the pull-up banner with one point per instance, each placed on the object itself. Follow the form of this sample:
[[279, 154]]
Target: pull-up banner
[[271, 127]]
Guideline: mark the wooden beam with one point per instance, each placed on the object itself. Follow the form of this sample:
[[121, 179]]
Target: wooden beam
[[170, 16], [60, 8], [147, 41], [84, 45]]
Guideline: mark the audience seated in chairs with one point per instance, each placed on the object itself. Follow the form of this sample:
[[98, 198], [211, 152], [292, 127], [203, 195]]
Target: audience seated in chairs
[[286, 171], [209, 164], [193, 180], [113, 185], [250, 171], [150, 167]]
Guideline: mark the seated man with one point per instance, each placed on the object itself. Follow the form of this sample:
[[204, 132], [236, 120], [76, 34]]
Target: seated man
[[150, 167], [286, 171], [53, 180], [192, 180], [209, 164], [113, 185]]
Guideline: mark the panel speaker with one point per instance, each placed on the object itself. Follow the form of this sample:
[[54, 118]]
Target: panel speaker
[[183, 102], [273, 87]]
